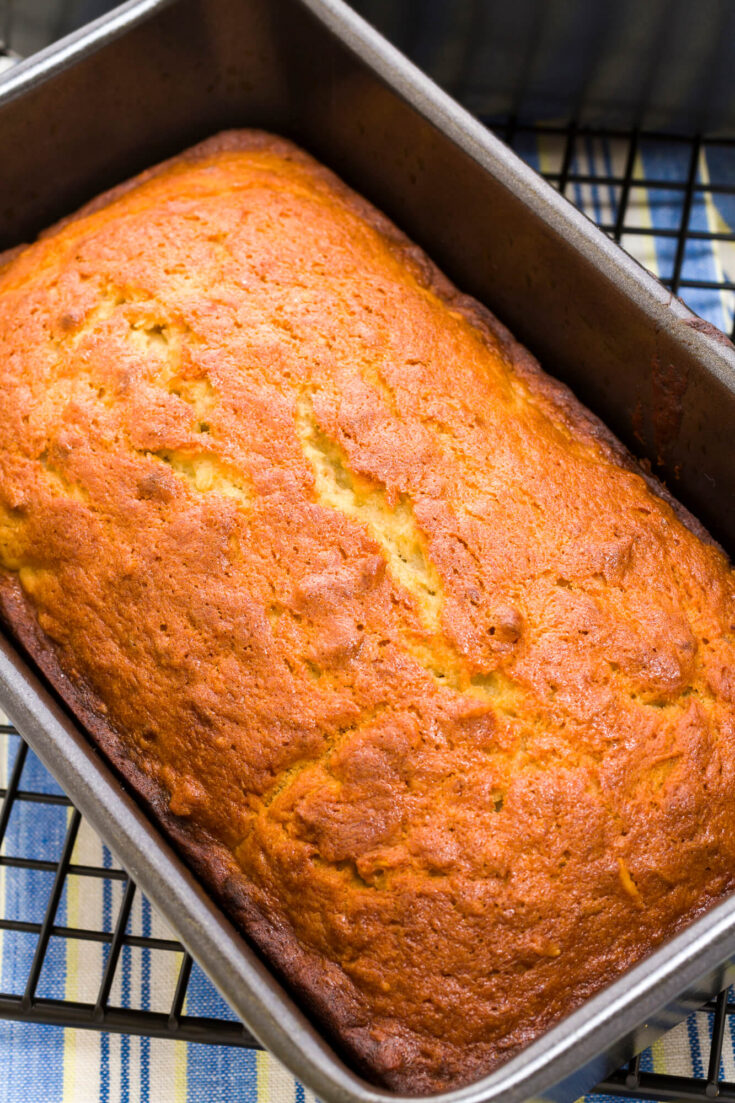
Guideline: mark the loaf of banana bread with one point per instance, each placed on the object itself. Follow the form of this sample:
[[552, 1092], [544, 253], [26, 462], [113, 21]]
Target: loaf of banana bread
[[433, 686]]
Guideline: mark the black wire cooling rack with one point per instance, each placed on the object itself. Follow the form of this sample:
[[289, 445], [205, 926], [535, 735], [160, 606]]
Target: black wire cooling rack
[[100, 1013], [616, 177], [632, 1082], [625, 179]]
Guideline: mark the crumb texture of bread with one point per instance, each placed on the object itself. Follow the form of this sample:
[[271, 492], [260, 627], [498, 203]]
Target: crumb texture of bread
[[433, 687]]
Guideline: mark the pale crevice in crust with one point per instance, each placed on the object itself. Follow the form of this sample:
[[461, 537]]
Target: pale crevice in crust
[[204, 472], [394, 527]]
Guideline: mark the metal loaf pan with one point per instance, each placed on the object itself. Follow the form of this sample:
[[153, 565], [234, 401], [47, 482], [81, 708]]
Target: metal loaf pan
[[155, 76]]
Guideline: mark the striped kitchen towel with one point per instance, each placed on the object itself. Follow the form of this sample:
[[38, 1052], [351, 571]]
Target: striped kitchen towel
[[56, 1065]]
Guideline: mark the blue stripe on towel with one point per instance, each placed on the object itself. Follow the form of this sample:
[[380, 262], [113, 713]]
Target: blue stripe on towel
[[106, 926], [694, 1045], [669, 161], [217, 1074], [612, 194], [38, 1066], [596, 211], [145, 1003], [125, 968]]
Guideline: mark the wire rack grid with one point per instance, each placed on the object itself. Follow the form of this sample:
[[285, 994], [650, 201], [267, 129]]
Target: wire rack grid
[[670, 201], [46, 850]]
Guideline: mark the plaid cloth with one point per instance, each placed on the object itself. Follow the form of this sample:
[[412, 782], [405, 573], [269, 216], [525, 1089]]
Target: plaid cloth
[[74, 1066]]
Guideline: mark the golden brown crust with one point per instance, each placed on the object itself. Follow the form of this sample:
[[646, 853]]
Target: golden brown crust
[[428, 680]]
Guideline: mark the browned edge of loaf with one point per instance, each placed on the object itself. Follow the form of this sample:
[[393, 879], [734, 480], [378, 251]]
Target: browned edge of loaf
[[303, 972]]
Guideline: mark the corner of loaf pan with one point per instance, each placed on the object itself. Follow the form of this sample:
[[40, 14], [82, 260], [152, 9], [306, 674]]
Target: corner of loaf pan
[[428, 681]]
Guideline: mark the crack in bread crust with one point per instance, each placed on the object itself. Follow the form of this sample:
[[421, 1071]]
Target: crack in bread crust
[[393, 526]]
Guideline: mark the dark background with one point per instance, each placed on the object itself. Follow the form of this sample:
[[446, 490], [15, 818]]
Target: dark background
[[658, 64]]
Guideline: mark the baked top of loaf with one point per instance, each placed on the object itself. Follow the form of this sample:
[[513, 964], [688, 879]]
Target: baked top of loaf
[[434, 687]]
